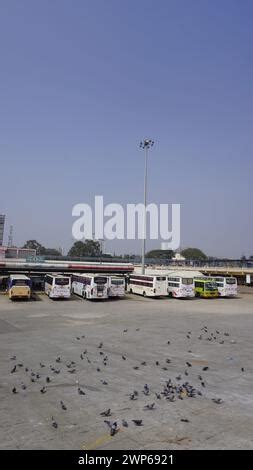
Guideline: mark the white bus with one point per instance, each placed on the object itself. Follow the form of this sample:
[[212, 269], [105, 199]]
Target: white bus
[[90, 286], [180, 285], [57, 286], [116, 286], [227, 286], [147, 285]]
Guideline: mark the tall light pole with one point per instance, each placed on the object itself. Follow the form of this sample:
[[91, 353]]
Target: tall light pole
[[146, 144]]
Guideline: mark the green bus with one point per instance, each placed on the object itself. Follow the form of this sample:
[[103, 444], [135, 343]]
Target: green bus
[[206, 287]]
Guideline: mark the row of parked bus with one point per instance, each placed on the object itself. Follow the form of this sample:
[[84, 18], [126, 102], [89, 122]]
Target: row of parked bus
[[181, 286], [88, 286], [94, 286]]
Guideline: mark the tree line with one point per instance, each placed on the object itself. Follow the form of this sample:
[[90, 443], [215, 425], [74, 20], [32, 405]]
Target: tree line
[[92, 249]]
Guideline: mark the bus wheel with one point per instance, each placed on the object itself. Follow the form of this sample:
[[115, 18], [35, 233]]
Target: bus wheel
[[144, 294], [84, 295], [131, 291]]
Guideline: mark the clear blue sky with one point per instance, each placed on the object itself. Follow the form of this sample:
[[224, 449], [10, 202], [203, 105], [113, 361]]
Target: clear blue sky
[[82, 82]]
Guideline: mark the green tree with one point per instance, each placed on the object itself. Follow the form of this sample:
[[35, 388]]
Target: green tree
[[193, 253], [34, 245], [87, 248], [160, 254]]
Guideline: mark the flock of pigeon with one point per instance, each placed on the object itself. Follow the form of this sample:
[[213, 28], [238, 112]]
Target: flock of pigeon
[[178, 389]]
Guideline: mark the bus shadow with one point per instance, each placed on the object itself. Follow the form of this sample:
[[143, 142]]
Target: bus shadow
[[35, 297]]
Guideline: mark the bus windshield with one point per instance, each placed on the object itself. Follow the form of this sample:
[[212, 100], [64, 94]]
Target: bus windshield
[[187, 281], [230, 280], [63, 281], [100, 280], [117, 282], [20, 282], [210, 286]]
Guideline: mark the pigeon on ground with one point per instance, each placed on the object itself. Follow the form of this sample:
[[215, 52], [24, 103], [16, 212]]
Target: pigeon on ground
[[124, 358], [112, 426], [54, 423], [125, 331], [106, 412], [14, 390], [149, 406], [188, 364], [58, 359], [157, 363], [146, 390], [13, 358], [14, 369], [23, 386], [133, 396], [72, 371], [218, 401], [63, 406], [43, 390], [205, 368], [104, 382], [81, 392], [21, 365], [124, 423], [184, 420], [100, 345], [137, 422], [48, 380], [42, 365], [158, 396], [171, 398]]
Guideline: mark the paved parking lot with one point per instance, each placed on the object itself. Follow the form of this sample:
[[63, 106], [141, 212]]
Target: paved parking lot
[[39, 331]]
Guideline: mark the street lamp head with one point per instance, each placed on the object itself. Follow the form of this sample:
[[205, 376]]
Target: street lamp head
[[146, 143]]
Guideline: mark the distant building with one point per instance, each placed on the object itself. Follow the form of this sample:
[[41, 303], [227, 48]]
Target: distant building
[[16, 253], [2, 221]]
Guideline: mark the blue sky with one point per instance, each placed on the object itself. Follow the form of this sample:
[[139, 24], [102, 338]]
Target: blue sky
[[81, 83]]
